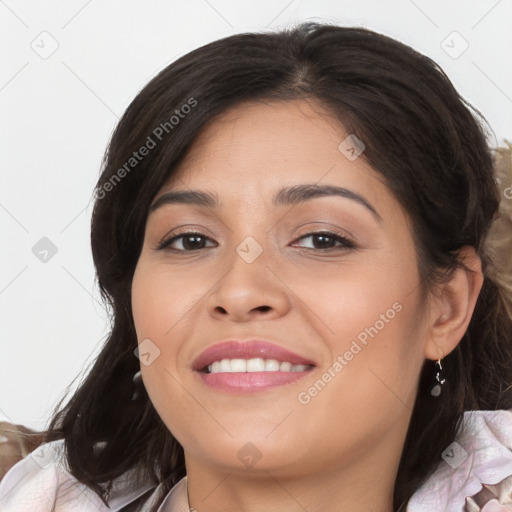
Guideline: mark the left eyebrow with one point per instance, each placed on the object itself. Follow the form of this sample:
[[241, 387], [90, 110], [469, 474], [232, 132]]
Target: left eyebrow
[[284, 197]]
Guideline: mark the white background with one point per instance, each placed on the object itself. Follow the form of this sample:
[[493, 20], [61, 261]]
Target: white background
[[57, 114]]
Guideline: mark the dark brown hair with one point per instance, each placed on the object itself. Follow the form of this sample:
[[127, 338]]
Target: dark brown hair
[[425, 140]]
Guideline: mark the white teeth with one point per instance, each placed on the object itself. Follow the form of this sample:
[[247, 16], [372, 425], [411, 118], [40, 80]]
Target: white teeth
[[224, 366], [237, 365], [285, 367], [271, 365], [254, 365]]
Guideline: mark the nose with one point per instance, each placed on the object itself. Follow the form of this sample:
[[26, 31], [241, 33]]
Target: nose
[[248, 291]]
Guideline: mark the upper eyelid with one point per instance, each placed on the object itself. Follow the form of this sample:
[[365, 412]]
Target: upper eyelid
[[318, 227]]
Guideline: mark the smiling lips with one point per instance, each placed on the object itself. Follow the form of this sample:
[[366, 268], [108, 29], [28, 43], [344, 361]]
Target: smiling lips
[[253, 365]]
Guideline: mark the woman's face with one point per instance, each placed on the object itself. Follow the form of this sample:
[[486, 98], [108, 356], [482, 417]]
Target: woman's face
[[346, 302]]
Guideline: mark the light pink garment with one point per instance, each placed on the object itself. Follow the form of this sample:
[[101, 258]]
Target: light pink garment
[[481, 454], [41, 483]]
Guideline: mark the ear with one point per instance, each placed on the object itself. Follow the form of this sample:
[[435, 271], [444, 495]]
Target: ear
[[452, 304]]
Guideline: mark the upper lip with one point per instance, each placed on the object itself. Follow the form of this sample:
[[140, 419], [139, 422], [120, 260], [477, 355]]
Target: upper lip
[[246, 349]]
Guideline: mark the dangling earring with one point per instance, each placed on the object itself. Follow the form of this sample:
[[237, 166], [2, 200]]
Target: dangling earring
[[436, 389], [137, 381]]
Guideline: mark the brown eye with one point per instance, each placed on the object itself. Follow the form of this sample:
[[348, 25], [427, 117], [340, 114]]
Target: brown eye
[[326, 240], [190, 241]]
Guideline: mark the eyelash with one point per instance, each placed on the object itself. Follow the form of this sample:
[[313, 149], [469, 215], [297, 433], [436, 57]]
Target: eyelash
[[346, 244]]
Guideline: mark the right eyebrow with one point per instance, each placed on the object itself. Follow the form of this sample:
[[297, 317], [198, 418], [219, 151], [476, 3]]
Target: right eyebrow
[[194, 197]]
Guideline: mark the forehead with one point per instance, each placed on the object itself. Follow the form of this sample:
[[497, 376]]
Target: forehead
[[258, 146]]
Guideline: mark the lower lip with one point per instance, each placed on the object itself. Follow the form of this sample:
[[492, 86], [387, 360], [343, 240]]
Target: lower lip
[[249, 382]]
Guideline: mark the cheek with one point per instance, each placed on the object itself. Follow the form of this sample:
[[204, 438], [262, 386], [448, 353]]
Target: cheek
[[159, 300], [369, 386], [370, 299], [159, 314], [149, 307], [371, 319]]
